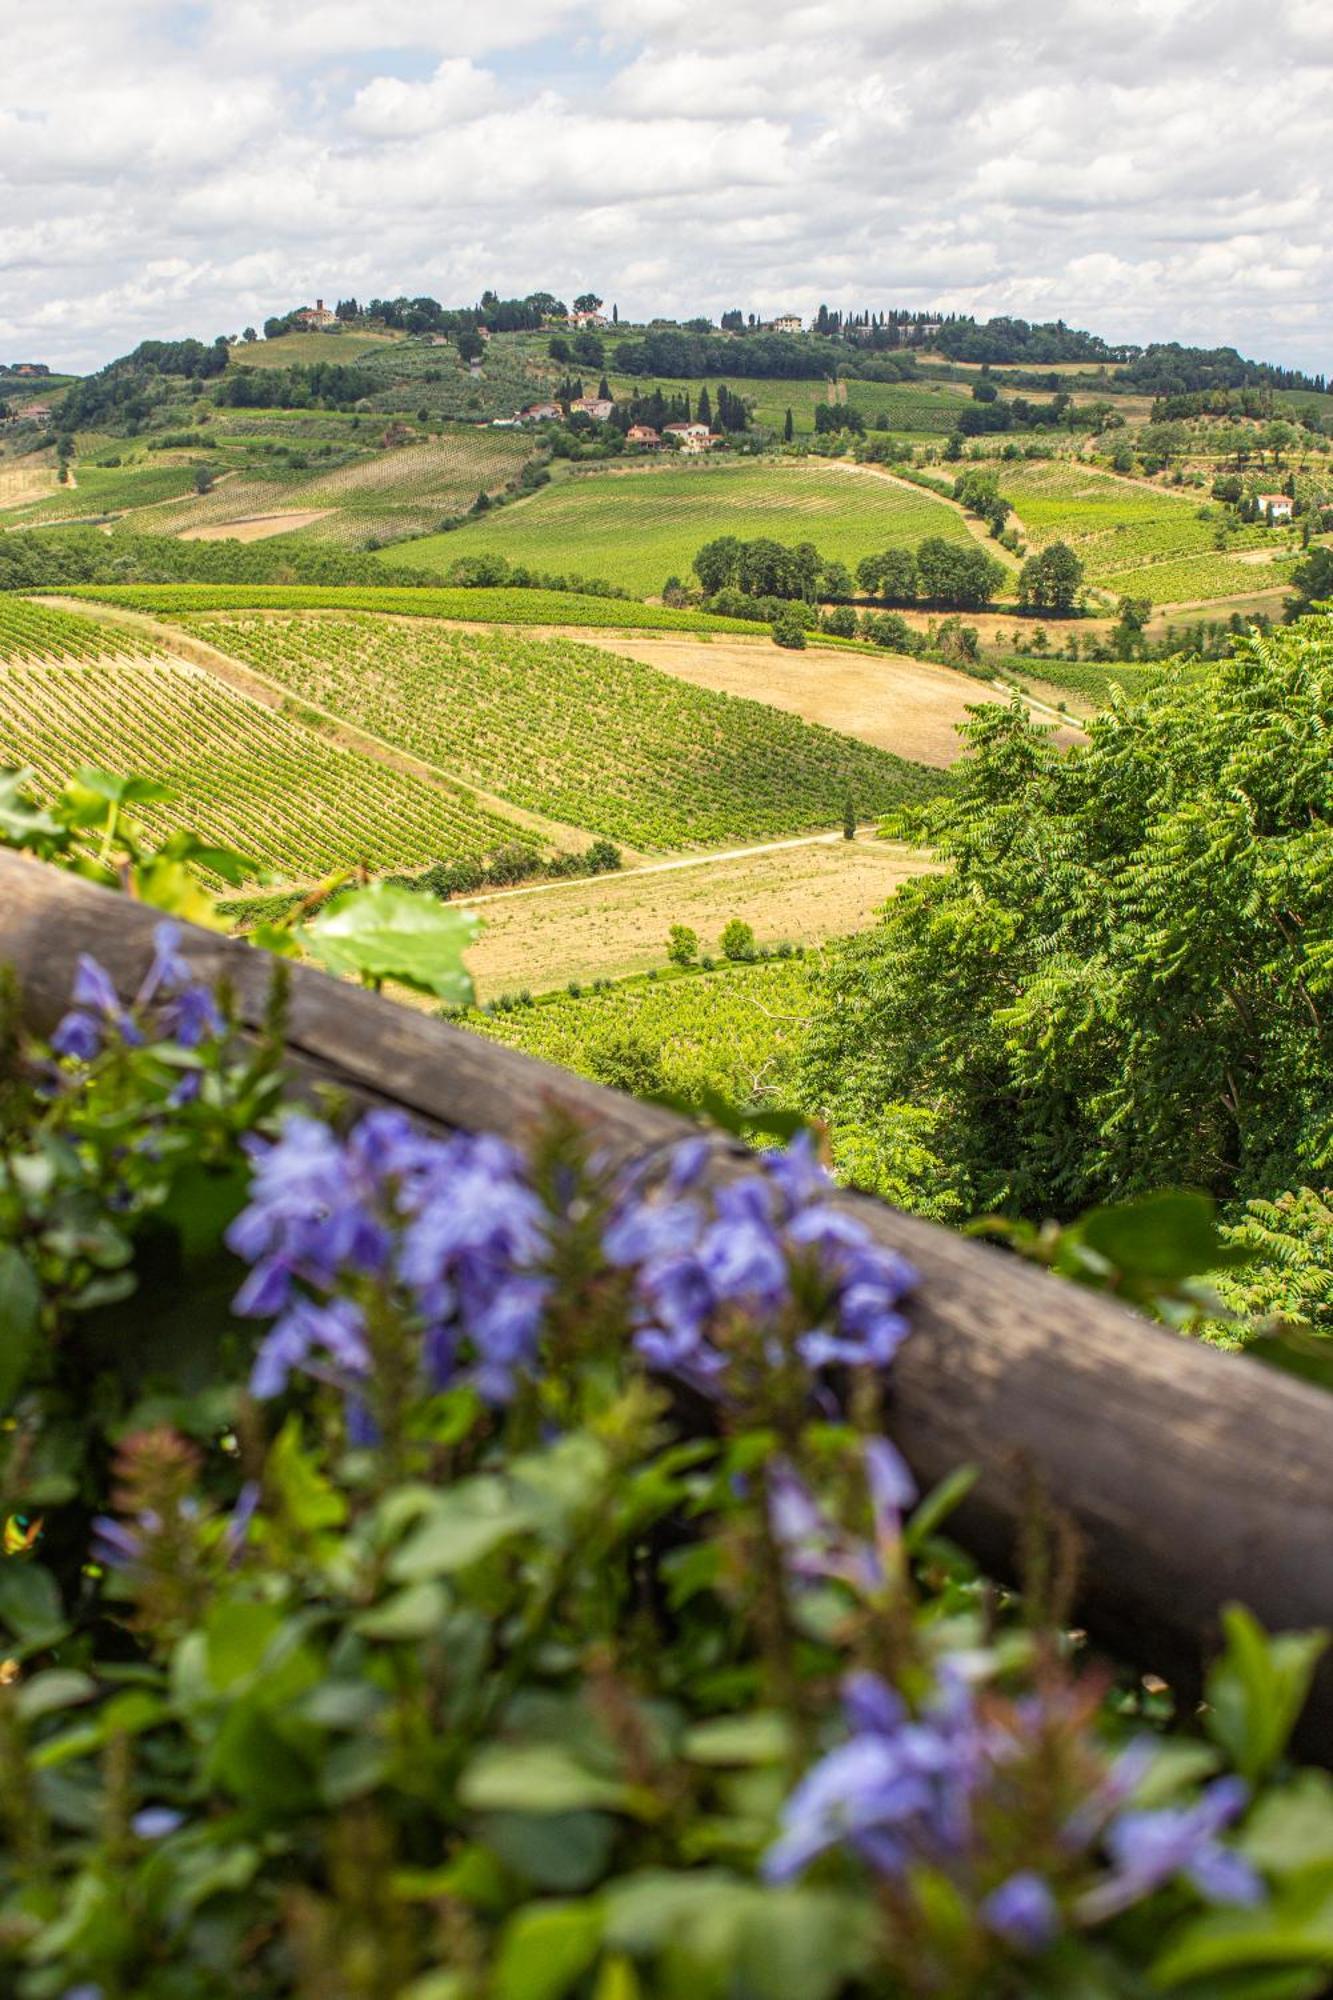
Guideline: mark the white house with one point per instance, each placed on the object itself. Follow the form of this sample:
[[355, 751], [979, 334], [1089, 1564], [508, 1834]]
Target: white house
[[598, 408], [1276, 506], [691, 437], [784, 323], [542, 413], [317, 318]]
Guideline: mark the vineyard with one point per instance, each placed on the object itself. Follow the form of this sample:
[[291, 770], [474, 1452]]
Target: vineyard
[[593, 739], [734, 1030], [1197, 579], [637, 528], [243, 775], [499, 607], [382, 497], [1135, 540], [108, 490]]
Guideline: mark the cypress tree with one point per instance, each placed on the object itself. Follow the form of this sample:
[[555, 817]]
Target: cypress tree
[[788, 428]]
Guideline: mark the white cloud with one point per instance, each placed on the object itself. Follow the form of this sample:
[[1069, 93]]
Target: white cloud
[[1156, 169]]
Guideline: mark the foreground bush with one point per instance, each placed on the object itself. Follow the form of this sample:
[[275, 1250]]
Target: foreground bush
[[438, 1572]]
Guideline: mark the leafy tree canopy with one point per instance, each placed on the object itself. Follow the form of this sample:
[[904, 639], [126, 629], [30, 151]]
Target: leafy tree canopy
[[1122, 980]]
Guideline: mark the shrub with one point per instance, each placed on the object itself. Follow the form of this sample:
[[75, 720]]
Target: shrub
[[682, 944], [789, 631], [840, 621], [738, 941]]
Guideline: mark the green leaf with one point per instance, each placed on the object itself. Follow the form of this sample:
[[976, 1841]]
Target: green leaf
[[30, 1605], [1160, 1239], [466, 1524], [1294, 1929], [938, 1504], [546, 1949], [763, 1737], [1292, 1828], [414, 1613], [309, 1500], [23, 824], [48, 1693], [386, 932], [20, 1318], [561, 1852], [1256, 1690], [116, 791], [535, 1778]]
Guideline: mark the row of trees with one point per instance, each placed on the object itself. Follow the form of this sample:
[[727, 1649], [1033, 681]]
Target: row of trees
[[956, 574]]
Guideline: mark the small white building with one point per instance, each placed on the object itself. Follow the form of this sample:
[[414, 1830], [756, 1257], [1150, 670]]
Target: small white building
[[598, 408], [542, 413], [1276, 506], [691, 437]]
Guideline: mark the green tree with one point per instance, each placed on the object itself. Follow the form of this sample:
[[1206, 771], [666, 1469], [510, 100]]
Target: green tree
[[1121, 979], [1052, 579], [849, 817], [682, 945], [587, 302], [788, 428], [738, 941], [890, 576], [1313, 578], [789, 631], [965, 578]]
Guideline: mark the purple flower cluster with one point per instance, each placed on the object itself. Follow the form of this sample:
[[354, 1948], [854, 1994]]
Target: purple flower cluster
[[897, 1792], [815, 1546], [448, 1230], [170, 999], [699, 1263], [904, 1789]]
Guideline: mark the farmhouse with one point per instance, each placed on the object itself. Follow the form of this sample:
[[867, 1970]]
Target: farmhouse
[[784, 323], [1276, 506], [588, 319], [37, 413], [316, 318], [642, 434], [691, 437], [541, 413], [598, 408]]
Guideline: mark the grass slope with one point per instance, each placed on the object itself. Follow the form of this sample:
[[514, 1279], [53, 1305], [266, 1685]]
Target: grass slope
[[585, 736], [636, 529], [74, 693]]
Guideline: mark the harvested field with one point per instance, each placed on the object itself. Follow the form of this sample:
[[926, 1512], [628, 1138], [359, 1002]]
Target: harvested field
[[618, 924], [907, 706], [256, 527]]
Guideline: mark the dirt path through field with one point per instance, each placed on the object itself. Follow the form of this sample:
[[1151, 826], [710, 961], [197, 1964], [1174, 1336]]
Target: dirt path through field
[[795, 891]]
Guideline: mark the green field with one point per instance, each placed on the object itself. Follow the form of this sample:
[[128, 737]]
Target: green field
[[73, 692], [108, 490], [1091, 681], [1134, 539], [595, 741], [293, 349], [735, 1030], [636, 529], [483, 606]]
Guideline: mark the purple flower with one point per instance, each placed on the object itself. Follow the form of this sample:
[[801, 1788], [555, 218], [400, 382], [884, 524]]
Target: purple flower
[[306, 1335], [78, 1037], [1148, 1849], [115, 1545], [242, 1514], [156, 1822], [1023, 1912], [897, 1792]]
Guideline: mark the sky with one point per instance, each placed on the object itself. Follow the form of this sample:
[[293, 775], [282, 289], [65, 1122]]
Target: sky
[[1151, 169]]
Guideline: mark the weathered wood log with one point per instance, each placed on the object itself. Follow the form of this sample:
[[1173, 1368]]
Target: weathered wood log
[[1194, 1477]]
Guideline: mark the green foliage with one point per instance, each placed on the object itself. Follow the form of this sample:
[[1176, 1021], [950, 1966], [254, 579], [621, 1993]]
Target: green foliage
[[385, 932], [1121, 982], [1052, 579], [682, 944], [738, 941], [1288, 1275], [503, 1703]]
